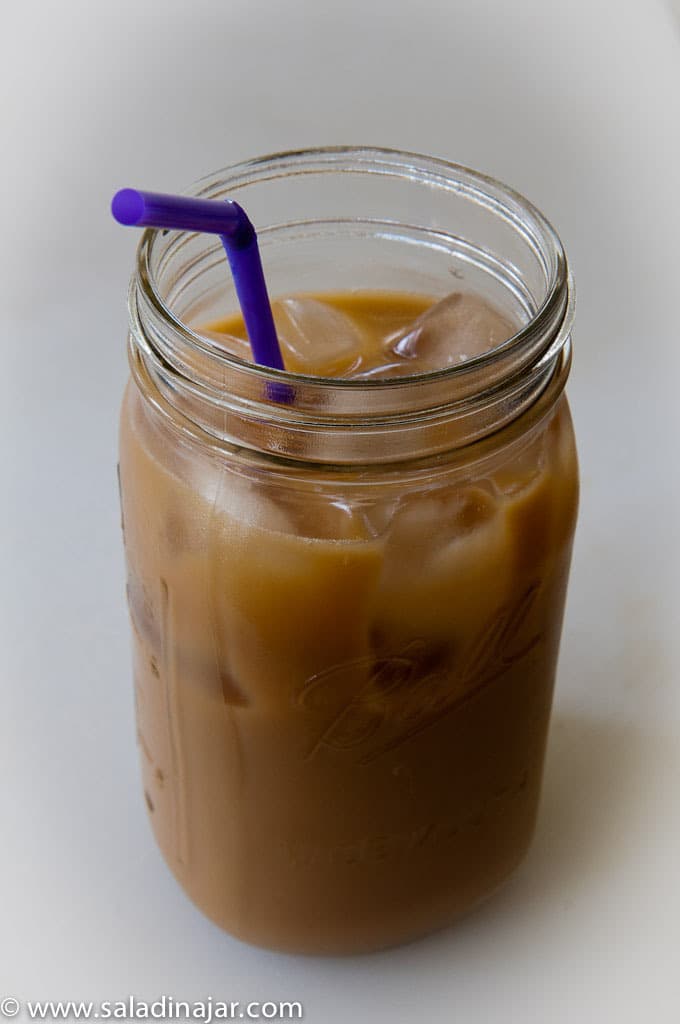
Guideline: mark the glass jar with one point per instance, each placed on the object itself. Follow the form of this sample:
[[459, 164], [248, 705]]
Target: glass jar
[[347, 605]]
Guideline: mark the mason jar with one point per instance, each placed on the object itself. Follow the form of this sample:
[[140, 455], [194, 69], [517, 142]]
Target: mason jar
[[346, 596]]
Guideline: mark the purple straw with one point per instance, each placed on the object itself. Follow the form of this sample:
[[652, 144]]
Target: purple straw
[[230, 221]]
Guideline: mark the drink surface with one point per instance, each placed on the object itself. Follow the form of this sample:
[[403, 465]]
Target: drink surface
[[343, 683], [374, 334]]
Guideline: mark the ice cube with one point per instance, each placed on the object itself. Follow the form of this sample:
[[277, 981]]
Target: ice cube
[[230, 344], [324, 517], [384, 371], [251, 505], [427, 520], [455, 329], [316, 338], [521, 470], [526, 487], [447, 567]]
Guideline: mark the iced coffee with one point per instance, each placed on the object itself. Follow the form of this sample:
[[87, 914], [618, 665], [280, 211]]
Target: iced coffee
[[343, 673]]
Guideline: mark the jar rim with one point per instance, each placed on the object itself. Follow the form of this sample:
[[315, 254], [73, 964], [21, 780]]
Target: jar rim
[[384, 160], [532, 351]]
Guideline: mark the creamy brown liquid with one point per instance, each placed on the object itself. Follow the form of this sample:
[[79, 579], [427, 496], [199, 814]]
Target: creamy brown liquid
[[343, 695]]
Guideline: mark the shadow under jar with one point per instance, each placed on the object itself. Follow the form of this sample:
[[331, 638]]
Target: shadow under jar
[[347, 605]]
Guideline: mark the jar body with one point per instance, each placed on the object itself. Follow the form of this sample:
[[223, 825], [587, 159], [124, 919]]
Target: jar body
[[343, 679], [346, 596]]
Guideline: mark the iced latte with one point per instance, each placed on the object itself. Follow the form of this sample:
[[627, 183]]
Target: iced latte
[[344, 671]]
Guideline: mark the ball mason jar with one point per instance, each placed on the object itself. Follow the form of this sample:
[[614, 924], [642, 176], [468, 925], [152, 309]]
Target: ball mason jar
[[346, 606]]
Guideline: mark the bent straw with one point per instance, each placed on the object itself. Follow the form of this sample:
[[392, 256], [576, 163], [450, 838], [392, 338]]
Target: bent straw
[[230, 221]]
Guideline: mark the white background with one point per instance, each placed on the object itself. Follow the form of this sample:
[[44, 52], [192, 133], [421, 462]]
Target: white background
[[576, 104]]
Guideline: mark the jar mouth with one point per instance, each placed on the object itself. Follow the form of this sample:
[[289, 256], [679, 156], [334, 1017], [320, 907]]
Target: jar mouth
[[179, 358]]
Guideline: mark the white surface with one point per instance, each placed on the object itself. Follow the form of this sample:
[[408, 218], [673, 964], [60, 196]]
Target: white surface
[[577, 105]]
